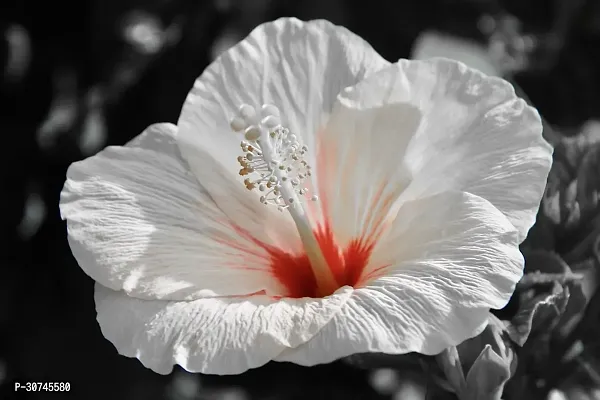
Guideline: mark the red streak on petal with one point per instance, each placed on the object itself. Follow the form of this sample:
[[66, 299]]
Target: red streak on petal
[[356, 257], [331, 252], [295, 274], [294, 271], [348, 266]]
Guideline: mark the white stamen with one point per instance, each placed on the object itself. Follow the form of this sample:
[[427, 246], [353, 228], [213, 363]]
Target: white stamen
[[270, 122], [269, 109], [252, 133], [238, 124], [248, 113], [273, 153], [273, 159]]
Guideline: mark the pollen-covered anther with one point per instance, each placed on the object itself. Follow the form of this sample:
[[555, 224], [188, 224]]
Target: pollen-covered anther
[[273, 155]]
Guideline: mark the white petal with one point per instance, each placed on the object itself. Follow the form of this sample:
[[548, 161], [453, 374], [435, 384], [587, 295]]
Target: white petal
[[214, 336], [300, 67], [451, 258], [359, 167], [475, 134], [139, 221], [460, 242]]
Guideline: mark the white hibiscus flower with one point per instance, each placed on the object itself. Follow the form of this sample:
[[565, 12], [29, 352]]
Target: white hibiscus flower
[[428, 176]]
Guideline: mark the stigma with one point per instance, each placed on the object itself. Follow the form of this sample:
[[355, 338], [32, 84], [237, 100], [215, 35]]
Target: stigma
[[273, 163]]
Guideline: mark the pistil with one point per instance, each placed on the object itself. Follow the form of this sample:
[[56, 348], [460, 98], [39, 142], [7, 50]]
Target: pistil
[[274, 163]]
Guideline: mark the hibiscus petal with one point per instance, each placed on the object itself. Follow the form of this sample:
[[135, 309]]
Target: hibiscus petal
[[300, 67], [359, 167], [139, 221], [450, 258], [215, 336], [475, 134]]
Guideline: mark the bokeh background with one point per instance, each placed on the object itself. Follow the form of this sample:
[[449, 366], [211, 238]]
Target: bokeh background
[[78, 75]]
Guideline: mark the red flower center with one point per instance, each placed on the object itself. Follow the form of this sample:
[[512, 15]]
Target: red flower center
[[294, 272]]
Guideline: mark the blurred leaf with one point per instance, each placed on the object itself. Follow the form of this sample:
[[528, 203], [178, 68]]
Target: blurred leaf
[[542, 233], [589, 329], [519, 387], [590, 367], [553, 201], [545, 268], [411, 363], [573, 187], [581, 393], [184, 386], [487, 377], [19, 53], [431, 44], [574, 310], [380, 360], [410, 389], [556, 394], [93, 133], [596, 251], [63, 111], [574, 148], [489, 359], [546, 262], [588, 188], [588, 245], [571, 207], [143, 31], [540, 313], [449, 361], [540, 278], [590, 269], [495, 335], [384, 380]]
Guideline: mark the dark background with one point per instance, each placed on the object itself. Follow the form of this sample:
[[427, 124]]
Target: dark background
[[79, 75]]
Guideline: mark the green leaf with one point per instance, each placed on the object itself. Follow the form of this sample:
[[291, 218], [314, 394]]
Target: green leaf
[[539, 313]]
